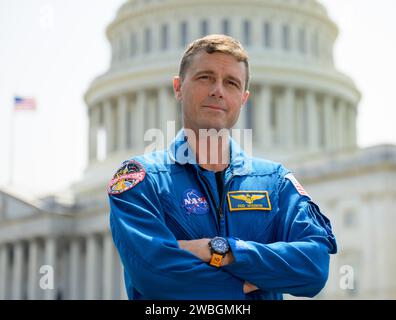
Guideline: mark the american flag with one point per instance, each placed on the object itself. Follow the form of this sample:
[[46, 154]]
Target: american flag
[[297, 184], [23, 103]]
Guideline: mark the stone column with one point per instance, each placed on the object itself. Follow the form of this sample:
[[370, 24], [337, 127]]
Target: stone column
[[288, 119], [3, 271], [109, 126], [257, 30], [93, 132], [108, 267], [75, 250], [241, 123], [195, 29], [328, 122], [50, 260], [17, 269], [294, 37], [340, 124], [174, 39], [352, 125], [123, 293], [313, 121], [151, 112], [236, 27], [163, 108], [140, 118], [279, 103], [177, 113], [33, 271], [262, 118], [308, 43], [277, 37], [91, 284], [121, 122]]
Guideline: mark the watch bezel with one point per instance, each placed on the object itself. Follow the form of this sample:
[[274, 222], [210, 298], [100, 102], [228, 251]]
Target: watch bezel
[[216, 250]]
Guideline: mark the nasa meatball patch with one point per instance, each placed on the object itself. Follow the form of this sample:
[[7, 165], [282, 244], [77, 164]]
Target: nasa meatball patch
[[194, 202], [128, 176]]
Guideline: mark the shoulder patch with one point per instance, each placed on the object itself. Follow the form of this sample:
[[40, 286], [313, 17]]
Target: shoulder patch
[[126, 177], [297, 185]]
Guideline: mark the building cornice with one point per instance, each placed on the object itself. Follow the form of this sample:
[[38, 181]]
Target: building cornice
[[381, 158]]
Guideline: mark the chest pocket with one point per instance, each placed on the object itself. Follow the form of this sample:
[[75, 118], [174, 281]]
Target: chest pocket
[[251, 215], [185, 226]]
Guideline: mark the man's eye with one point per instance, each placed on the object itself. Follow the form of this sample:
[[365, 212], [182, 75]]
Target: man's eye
[[233, 84], [203, 77]]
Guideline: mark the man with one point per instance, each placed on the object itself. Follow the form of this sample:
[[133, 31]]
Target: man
[[238, 227]]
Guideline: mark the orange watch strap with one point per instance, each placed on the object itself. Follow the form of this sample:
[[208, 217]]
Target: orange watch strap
[[216, 260]]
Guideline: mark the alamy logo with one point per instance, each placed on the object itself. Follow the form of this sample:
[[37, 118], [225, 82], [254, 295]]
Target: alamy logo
[[347, 278], [47, 280]]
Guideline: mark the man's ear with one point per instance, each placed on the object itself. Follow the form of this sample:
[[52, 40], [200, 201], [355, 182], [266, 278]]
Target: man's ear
[[245, 97], [177, 82]]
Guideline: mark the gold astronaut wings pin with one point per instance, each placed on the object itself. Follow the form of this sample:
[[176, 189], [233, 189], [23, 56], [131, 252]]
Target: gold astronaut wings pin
[[248, 200]]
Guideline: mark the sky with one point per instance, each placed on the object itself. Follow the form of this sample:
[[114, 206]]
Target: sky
[[52, 50]]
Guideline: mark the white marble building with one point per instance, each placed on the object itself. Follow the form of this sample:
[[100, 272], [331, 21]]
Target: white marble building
[[302, 111]]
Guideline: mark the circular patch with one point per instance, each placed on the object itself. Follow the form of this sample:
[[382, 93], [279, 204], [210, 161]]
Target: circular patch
[[194, 202], [128, 176]]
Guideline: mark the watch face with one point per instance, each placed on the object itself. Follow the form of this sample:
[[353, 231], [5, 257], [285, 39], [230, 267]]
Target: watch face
[[219, 245]]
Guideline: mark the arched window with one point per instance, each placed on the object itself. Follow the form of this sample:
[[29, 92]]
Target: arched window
[[267, 35], [164, 37], [204, 28], [225, 26], [147, 40], [183, 34], [246, 33], [286, 37]]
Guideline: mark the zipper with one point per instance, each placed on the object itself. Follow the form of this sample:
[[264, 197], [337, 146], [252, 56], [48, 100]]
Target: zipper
[[219, 210], [221, 214], [209, 191]]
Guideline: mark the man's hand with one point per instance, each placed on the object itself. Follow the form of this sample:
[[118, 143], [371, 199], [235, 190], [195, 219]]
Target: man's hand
[[200, 248], [248, 287]]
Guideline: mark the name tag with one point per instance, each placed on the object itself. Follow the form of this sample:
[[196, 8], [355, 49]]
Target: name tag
[[248, 200]]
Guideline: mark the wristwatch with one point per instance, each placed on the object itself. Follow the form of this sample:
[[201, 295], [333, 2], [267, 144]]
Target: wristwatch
[[218, 248]]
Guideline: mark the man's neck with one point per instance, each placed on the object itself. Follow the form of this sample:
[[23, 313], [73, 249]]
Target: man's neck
[[212, 151]]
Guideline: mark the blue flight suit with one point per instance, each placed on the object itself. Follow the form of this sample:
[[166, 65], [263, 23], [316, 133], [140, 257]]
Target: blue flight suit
[[282, 247]]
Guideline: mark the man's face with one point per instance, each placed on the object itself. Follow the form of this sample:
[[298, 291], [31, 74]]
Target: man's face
[[212, 92]]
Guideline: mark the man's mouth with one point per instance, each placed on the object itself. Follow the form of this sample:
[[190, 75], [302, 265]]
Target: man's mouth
[[215, 107]]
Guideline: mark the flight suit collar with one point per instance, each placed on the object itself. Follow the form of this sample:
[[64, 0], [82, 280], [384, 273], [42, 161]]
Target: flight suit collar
[[180, 152]]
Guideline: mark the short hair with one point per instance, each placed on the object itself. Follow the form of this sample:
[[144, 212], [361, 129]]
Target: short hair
[[215, 43]]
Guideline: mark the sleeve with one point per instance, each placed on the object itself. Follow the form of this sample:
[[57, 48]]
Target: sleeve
[[298, 261], [158, 268]]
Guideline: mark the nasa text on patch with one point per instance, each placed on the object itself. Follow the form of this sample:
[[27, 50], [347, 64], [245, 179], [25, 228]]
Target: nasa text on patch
[[194, 202]]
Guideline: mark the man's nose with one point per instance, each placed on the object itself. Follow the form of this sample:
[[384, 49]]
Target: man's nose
[[217, 90]]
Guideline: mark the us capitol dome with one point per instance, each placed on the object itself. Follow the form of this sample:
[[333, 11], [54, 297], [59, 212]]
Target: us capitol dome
[[302, 111], [300, 105]]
